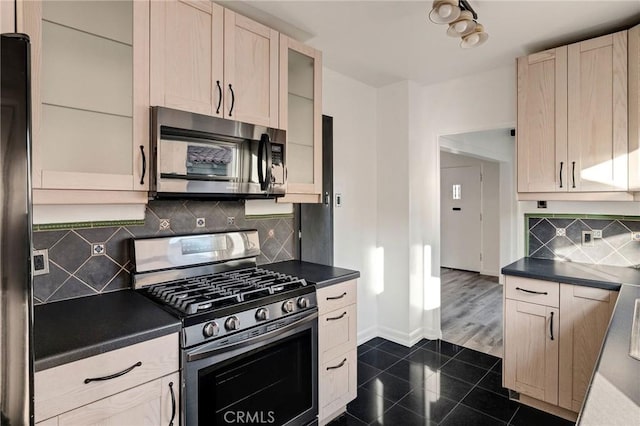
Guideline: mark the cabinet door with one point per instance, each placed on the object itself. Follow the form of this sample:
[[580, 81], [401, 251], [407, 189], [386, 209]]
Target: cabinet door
[[137, 406], [90, 94], [186, 55], [542, 121], [586, 313], [531, 350], [337, 332], [250, 71], [301, 117], [597, 93], [337, 383]]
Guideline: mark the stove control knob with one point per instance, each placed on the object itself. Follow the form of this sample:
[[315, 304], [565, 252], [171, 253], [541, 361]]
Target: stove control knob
[[287, 307], [232, 323], [303, 302], [210, 329], [262, 314]]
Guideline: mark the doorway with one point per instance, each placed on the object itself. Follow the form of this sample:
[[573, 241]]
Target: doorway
[[477, 235]]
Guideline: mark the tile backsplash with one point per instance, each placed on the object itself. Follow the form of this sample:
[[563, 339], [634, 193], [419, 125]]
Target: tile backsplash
[[86, 261], [560, 238]]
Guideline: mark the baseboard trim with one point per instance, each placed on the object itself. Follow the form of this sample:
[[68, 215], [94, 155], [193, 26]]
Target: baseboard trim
[[432, 333], [367, 334], [401, 338]]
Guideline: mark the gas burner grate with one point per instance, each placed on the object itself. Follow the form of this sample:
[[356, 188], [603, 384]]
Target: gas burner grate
[[207, 292]]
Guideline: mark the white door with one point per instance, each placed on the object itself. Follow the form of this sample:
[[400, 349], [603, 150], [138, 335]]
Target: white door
[[460, 230]]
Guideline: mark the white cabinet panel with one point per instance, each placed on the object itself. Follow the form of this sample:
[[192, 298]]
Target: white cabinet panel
[[87, 142], [109, 19], [85, 71]]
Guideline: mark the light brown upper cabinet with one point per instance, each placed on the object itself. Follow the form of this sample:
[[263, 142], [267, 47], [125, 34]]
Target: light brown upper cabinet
[[301, 117], [597, 110], [209, 60], [90, 96], [186, 55], [634, 108], [250, 71], [542, 121], [572, 121]]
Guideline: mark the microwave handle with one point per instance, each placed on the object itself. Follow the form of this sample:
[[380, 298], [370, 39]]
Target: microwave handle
[[264, 151]]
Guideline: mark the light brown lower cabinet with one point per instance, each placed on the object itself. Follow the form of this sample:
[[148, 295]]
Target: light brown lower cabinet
[[553, 333], [531, 350], [586, 312], [337, 353], [148, 404], [135, 385]]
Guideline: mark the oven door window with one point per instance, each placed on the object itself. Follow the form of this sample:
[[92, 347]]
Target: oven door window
[[270, 385], [214, 160]]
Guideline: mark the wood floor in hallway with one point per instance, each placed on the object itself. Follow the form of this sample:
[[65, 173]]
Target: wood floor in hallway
[[471, 310]]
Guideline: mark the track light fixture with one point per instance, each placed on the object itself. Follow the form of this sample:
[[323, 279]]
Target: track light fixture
[[462, 21]]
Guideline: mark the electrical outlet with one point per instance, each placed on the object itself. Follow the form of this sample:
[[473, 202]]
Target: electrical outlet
[[597, 233], [231, 220], [201, 222], [40, 260], [635, 236], [587, 238]]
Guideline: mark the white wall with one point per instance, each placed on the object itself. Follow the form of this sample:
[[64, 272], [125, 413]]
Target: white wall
[[353, 107], [490, 207]]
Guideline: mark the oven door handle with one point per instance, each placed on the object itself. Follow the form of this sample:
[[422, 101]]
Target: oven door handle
[[206, 351]]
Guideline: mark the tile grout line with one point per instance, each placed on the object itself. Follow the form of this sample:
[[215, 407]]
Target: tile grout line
[[514, 414]]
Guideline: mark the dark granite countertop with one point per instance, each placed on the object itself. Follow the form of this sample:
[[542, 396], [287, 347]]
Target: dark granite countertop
[[73, 329], [314, 273], [601, 276], [613, 396]]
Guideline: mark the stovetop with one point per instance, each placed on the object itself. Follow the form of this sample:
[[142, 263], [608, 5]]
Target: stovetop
[[191, 296], [212, 284]]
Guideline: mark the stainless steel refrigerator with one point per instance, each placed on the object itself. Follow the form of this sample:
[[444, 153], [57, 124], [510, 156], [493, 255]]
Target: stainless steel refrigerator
[[16, 302], [316, 220]]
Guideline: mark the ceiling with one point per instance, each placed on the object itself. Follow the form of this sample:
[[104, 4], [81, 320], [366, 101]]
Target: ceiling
[[382, 42]]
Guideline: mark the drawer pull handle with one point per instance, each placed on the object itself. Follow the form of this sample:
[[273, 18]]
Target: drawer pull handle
[[335, 367], [144, 164], [173, 404], [337, 297], [531, 291], [113, 376], [338, 317], [551, 326]]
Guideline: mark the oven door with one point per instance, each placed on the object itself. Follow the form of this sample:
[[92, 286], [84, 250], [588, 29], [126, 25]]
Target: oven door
[[271, 378]]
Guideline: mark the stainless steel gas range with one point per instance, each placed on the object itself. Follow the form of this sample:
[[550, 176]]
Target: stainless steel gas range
[[249, 336]]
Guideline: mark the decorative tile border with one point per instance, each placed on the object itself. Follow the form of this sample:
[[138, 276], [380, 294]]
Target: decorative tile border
[[80, 225]]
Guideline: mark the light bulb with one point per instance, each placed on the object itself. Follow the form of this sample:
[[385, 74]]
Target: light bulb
[[473, 38], [445, 10], [460, 26]]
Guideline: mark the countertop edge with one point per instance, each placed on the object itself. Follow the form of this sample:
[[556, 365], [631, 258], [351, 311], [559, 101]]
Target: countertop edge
[[327, 283], [52, 361], [564, 279]]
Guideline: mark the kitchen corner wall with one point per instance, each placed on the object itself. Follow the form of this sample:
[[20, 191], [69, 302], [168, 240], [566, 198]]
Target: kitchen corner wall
[[560, 237], [79, 267]]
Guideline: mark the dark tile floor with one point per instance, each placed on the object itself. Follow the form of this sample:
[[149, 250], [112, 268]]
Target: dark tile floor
[[432, 383]]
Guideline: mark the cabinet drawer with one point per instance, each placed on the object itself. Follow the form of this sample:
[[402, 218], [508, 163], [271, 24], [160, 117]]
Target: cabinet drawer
[[338, 382], [63, 388], [336, 296], [337, 332], [533, 291]]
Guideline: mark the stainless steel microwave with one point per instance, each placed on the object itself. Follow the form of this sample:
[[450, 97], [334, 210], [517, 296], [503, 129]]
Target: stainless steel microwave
[[198, 156]]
